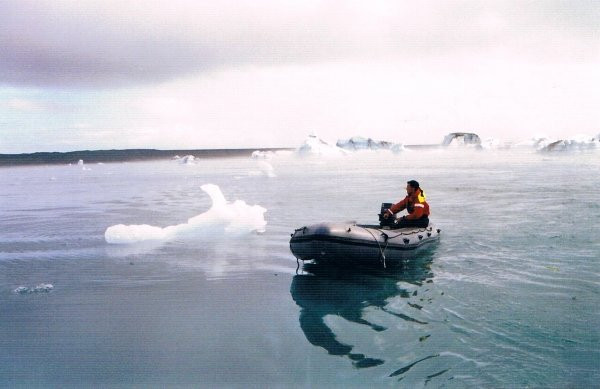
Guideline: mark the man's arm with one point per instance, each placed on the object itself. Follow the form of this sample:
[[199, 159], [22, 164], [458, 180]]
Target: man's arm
[[394, 209]]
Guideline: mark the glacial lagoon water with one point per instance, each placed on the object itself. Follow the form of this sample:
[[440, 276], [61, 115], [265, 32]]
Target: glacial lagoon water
[[508, 298]]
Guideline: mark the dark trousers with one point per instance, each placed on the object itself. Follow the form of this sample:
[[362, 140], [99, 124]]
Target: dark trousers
[[422, 222]]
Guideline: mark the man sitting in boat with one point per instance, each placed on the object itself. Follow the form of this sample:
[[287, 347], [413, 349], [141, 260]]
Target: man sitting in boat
[[415, 204]]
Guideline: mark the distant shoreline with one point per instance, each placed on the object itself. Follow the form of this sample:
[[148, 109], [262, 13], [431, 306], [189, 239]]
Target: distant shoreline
[[125, 155], [132, 155]]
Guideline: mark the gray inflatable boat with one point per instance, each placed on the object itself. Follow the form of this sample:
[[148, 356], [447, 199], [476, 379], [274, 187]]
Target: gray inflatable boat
[[360, 243]]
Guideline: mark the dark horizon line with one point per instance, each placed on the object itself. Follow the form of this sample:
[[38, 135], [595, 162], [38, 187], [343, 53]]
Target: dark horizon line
[[120, 155], [130, 155]]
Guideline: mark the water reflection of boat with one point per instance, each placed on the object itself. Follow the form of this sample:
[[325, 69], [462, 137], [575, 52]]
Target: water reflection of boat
[[327, 290]]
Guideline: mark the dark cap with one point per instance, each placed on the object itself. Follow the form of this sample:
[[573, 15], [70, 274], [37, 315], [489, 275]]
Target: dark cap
[[413, 183]]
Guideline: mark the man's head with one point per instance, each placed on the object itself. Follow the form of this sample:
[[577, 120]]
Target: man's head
[[411, 187]]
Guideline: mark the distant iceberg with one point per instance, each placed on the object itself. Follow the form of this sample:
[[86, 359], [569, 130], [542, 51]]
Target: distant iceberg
[[462, 139], [578, 143], [360, 143], [314, 146]]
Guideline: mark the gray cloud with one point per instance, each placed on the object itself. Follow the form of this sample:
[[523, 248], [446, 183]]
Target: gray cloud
[[119, 43]]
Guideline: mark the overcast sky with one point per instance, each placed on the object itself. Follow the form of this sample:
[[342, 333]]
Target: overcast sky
[[189, 74]]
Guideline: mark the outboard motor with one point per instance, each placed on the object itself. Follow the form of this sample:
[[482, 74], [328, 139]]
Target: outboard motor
[[390, 221]]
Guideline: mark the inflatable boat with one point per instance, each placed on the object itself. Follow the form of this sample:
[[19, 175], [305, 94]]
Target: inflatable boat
[[360, 243]]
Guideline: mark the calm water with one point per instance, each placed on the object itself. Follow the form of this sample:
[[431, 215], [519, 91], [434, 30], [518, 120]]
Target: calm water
[[509, 297]]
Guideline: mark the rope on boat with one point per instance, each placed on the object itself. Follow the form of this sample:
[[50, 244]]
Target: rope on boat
[[387, 238], [381, 251]]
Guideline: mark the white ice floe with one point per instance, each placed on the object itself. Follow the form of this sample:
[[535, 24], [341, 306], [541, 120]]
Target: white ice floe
[[314, 146], [222, 219], [41, 288]]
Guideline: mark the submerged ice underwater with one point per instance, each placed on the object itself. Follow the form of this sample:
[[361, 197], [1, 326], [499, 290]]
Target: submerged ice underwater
[[194, 296]]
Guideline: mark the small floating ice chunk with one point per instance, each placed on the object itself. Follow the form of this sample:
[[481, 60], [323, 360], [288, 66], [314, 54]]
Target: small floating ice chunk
[[188, 160], [398, 148], [83, 167], [262, 154], [22, 290], [40, 288], [43, 288], [222, 219]]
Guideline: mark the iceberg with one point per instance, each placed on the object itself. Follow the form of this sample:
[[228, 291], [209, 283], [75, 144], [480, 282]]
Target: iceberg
[[462, 139], [314, 146], [360, 143], [577, 143], [223, 219]]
